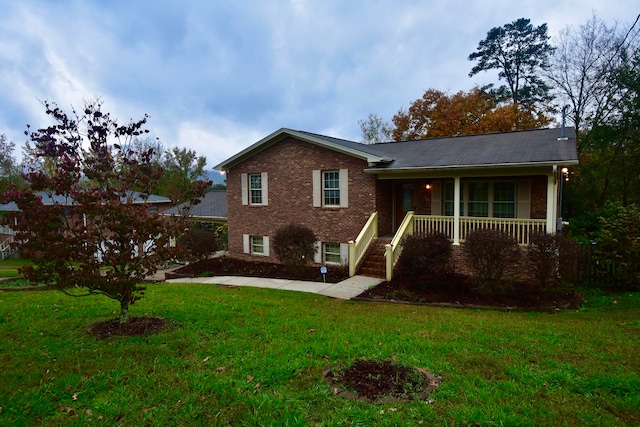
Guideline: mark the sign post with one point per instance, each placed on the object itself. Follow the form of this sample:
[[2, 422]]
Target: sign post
[[323, 270]]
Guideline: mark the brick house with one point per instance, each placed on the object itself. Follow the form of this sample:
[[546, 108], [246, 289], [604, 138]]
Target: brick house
[[354, 195]]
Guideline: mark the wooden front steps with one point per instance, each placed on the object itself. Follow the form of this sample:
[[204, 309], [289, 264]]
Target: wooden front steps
[[374, 262]]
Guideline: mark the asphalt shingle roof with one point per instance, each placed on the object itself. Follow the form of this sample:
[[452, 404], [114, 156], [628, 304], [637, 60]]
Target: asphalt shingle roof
[[509, 148], [212, 205]]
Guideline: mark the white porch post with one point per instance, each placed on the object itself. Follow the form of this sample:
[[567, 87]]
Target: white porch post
[[551, 202], [456, 211]]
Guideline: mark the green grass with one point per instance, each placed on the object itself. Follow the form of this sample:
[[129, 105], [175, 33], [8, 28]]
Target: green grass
[[9, 267], [247, 356]]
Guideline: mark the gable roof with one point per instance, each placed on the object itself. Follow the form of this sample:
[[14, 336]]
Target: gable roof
[[539, 147], [351, 148], [212, 206]]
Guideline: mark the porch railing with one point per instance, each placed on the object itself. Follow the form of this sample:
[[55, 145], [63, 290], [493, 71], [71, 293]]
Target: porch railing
[[520, 229], [359, 247]]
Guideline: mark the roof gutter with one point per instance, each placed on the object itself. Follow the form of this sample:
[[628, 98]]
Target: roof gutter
[[473, 167]]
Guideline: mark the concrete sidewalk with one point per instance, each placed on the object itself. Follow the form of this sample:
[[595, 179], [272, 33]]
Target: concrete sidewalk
[[346, 289]]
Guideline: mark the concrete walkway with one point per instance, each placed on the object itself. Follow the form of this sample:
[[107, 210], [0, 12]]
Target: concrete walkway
[[345, 290]]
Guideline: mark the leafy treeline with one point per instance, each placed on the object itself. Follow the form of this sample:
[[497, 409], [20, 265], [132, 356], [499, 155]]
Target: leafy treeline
[[590, 72]]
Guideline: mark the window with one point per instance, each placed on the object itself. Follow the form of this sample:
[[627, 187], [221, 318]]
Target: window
[[448, 199], [495, 199], [255, 189], [255, 185], [331, 253], [331, 188], [257, 245], [504, 199], [478, 199]]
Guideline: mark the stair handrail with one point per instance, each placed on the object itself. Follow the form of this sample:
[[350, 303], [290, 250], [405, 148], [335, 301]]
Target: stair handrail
[[393, 249], [358, 248], [5, 247]]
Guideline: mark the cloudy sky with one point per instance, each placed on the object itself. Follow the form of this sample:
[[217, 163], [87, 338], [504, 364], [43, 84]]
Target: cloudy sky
[[216, 76]]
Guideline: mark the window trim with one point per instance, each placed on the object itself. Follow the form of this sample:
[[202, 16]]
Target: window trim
[[257, 190]]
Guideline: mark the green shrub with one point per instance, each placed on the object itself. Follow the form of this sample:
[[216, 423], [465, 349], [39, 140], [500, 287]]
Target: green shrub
[[198, 243], [490, 253], [426, 257], [618, 246], [294, 246]]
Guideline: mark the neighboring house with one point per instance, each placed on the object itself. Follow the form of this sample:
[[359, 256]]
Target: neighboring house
[[156, 204], [212, 209], [350, 194]]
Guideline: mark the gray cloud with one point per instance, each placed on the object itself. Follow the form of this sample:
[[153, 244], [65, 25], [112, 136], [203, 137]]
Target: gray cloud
[[218, 76]]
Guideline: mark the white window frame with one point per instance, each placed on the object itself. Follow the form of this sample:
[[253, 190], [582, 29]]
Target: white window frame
[[255, 193]]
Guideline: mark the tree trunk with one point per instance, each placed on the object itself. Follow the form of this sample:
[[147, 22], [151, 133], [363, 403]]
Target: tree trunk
[[124, 312]]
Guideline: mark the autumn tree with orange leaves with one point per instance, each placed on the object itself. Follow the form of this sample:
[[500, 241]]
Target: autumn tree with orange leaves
[[438, 114]]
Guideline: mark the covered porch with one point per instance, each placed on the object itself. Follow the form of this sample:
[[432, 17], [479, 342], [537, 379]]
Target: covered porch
[[521, 202]]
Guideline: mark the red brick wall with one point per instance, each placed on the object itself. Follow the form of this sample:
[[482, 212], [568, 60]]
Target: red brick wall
[[289, 165], [538, 197]]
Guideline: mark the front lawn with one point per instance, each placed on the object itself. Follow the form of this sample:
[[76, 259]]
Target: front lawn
[[248, 356]]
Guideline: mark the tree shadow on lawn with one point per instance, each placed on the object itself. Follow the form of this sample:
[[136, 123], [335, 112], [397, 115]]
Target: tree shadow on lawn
[[137, 326]]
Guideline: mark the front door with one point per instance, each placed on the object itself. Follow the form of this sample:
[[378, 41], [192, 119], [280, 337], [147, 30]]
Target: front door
[[404, 201]]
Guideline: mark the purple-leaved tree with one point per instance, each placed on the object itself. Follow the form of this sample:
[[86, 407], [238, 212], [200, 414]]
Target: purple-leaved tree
[[85, 221]]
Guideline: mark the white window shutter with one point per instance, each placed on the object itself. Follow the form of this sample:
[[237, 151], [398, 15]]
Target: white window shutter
[[265, 243], [246, 243], [317, 188], [265, 188], [436, 198], [523, 197], [317, 256], [245, 188], [344, 253], [344, 188]]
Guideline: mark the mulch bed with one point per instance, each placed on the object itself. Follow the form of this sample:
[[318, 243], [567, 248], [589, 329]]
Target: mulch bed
[[229, 266], [456, 290], [381, 381]]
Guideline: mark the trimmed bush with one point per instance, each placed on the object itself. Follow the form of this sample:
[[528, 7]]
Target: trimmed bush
[[489, 253], [426, 257], [198, 243], [294, 246]]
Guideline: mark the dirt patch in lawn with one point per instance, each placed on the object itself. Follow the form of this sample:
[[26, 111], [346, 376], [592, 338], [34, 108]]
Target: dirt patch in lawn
[[385, 381], [136, 326]]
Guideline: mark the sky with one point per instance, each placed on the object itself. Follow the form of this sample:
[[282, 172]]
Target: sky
[[217, 76]]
